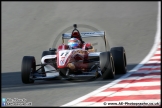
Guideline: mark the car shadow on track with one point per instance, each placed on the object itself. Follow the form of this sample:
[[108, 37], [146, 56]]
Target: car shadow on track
[[13, 79]]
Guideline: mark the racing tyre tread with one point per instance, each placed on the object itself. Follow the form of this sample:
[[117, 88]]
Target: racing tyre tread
[[120, 61], [107, 65], [28, 62]]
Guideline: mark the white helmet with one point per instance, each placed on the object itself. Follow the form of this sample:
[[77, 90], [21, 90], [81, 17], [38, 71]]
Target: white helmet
[[74, 43]]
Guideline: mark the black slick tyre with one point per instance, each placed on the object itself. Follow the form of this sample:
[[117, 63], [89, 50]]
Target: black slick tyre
[[120, 61], [28, 68], [107, 65]]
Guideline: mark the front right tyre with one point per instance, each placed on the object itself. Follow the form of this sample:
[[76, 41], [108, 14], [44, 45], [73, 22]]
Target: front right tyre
[[28, 68], [107, 65]]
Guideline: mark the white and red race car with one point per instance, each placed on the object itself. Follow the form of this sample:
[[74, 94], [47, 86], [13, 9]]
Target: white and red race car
[[75, 63]]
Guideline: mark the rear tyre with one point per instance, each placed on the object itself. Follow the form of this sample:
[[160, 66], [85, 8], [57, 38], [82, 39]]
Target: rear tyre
[[107, 65], [27, 69], [120, 61]]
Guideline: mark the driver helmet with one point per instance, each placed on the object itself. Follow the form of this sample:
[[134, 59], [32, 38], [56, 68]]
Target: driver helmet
[[74, 43]]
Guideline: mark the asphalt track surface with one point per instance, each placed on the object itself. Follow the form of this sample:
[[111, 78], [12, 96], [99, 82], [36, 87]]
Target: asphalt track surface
[[29, 28]]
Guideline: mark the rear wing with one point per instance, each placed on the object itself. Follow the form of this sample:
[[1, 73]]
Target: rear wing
[[87, 35]]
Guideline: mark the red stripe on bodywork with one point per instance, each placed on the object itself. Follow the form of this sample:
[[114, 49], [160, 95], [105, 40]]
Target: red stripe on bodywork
[[119, 89], [121, 98]]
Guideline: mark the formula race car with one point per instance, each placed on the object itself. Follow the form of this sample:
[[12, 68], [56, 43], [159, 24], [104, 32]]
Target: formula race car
[[69, 63]]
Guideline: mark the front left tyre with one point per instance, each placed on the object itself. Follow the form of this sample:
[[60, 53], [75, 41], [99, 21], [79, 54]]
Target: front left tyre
[[28, 68]]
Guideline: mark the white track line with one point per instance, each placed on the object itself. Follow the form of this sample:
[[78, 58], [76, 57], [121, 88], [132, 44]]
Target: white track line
[[136, 77], [156, 57], [158, 52], [147, 72], [154, 62], [159, 46], [127, 93], [151, 53], [143, 77], [143, 67], [158, 62], [126, 85]]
